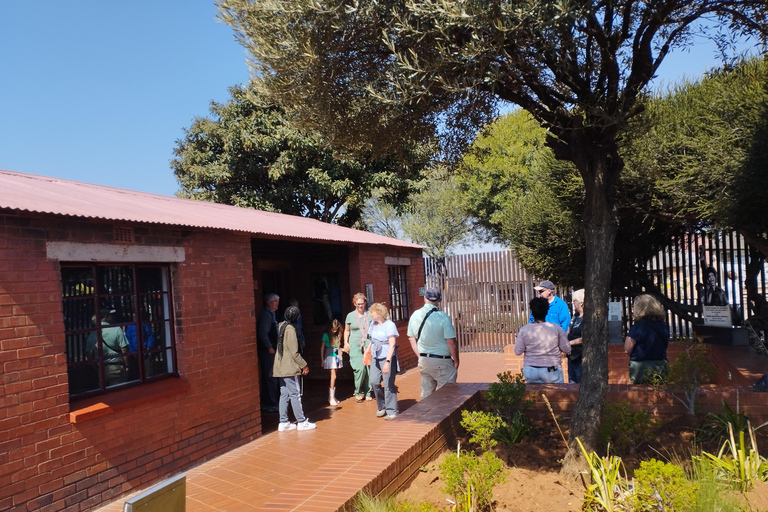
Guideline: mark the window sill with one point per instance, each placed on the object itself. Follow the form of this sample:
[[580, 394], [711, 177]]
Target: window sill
[[111, 403]]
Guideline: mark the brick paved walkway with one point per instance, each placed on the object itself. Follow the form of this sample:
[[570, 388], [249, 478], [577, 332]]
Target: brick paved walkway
[[322, 469]]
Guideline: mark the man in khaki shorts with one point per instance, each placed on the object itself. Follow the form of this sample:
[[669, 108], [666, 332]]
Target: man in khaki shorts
[[433, 338]]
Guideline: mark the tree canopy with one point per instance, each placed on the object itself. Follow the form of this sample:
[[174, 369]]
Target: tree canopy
[[250, 155], [435, 216], [704, 154], [695, 159], [525, 198], [371, 71]]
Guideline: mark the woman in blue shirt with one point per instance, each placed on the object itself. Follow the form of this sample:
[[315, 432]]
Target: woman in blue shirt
[[647, 340], [382, 333]]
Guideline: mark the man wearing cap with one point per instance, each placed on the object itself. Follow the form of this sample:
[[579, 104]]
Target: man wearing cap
[[433, 338], [558, 313]]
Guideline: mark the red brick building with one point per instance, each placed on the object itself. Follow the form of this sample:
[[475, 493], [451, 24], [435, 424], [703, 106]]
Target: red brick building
[[183, 281]]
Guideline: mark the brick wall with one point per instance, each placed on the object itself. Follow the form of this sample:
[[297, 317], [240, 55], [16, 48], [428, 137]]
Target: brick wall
[[356, 267], [729, 385], [132, 438], [366, 266]]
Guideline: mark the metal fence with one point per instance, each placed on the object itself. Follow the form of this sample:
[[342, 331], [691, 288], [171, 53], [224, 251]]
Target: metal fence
[[680, 272], [487, 294]]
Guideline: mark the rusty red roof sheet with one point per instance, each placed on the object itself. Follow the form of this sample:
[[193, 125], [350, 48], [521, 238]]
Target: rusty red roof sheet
[[41, 194]]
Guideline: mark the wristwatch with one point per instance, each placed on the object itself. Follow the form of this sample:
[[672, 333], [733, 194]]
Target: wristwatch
[[389, 361]]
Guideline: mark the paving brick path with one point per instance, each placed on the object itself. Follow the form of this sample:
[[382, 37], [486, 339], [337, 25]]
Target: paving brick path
[[320, 470]]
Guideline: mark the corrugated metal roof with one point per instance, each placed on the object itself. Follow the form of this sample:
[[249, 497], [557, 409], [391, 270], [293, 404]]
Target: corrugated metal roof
[[41, 194]]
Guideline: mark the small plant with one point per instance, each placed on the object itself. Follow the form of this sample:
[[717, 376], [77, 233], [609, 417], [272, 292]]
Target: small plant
[[608, 485], [737, 464], [366, 502], [508, 396], [481, 427], [513, 432], [691, 369], [624, 428], [715, 426], [711, 492], [663, 486], [471, 478]]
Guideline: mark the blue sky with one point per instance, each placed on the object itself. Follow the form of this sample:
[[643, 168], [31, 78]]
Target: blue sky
[[99, 91]]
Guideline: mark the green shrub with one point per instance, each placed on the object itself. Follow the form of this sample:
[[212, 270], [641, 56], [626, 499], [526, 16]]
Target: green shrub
[[624, 428], [406, 506], [663, 486], [738, 464], [508, 396], [481, 426], [365, 502], [714, 428], [711, 492], [513, 432], [471, 478], [691, 369]]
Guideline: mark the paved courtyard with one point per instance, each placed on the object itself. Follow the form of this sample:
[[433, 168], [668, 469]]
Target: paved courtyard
[[299, 470]]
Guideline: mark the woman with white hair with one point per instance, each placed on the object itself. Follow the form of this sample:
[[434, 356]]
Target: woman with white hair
[[647, 340], [383, 333], [574, 337]]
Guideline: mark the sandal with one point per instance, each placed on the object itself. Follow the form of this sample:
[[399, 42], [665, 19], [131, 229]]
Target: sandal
[[359, 399]]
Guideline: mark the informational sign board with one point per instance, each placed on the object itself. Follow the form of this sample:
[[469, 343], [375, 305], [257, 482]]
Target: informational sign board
[[717, 316], [614, 311], [422, 290]]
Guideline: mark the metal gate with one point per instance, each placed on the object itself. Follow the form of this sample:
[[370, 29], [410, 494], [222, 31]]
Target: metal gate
[[485, 294]]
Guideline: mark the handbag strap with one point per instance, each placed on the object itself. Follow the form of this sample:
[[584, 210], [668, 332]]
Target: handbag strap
[[418, 335]]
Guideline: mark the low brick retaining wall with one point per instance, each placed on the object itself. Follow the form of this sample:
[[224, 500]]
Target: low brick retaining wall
[[730, 385]]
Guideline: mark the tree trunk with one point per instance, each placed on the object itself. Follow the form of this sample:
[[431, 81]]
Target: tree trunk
[[599, 169]]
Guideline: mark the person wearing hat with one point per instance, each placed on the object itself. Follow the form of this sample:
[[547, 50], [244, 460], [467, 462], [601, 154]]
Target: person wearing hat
[[433, 338], [558, 310]]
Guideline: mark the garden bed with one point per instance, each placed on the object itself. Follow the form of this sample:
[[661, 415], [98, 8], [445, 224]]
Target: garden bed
[[534, 483]]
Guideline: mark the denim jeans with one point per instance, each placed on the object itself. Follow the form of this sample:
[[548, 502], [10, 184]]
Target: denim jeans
[[542, 375], [386, 399], [290, 391], [574, 371]]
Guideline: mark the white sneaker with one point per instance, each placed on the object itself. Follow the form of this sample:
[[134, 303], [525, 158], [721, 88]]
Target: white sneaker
[[306, 425], [283, 427], [381, 413]]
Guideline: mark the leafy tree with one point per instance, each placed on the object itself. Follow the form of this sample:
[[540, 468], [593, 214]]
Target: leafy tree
[[369, 72], [529, 200], [434, 216], [705, 152], [381, 217], [704, 159], [250, 155], [525, 198]]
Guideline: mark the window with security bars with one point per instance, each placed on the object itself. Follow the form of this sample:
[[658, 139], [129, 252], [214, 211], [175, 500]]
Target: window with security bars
[[118, 325], [398, 294]]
